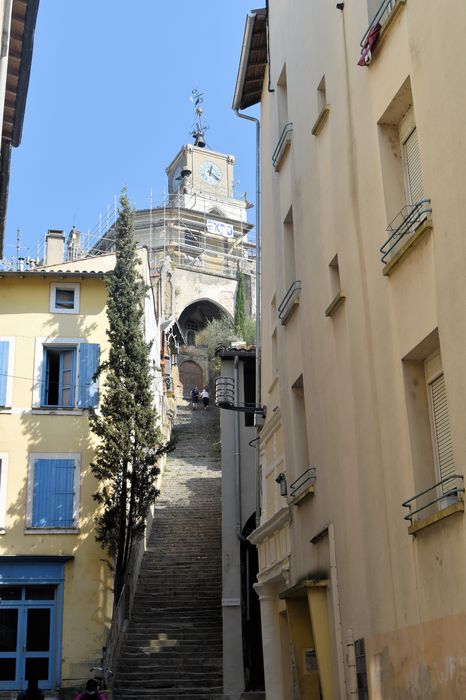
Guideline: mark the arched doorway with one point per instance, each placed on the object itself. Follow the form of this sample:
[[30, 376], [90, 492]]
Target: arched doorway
[[190, 375], [196, 316]]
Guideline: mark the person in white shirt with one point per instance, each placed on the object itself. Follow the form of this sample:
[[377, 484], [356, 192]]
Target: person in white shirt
[[205, 398]]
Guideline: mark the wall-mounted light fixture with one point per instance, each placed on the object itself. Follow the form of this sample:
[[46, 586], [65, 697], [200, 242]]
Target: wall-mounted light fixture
[[281, 481], [225, 397]]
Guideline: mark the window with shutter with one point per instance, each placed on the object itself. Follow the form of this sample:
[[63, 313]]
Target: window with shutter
[[413, 172], [439, 418], [4, 357], [53, 491], [88, 394], [443, 448], [7, 352]]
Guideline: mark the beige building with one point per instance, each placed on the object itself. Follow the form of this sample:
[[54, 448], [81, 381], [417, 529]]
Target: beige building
[[362, 539]]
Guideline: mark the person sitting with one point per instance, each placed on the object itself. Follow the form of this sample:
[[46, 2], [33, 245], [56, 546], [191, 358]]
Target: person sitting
[[91, 692]]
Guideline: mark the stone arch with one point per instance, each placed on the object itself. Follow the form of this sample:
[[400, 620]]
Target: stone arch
[[195, 316], [191, 375]]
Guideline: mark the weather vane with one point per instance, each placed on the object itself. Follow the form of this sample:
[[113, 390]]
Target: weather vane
[[198, 128]]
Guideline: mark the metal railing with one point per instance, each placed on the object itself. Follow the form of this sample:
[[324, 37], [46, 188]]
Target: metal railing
[[283, 142], [289, 301], [307, 478], [385, 9], [447, 492], [405, 223]]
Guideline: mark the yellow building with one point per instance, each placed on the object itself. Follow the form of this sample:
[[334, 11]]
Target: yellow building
[[55, 581], [362, 535]]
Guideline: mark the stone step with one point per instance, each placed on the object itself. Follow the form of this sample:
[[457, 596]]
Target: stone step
[[173, 647]]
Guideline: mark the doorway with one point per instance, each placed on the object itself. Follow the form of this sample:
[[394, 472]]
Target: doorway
[[27, 631]]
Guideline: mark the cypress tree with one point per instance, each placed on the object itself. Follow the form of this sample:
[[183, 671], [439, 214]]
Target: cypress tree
[[125, 462], [240, 307]]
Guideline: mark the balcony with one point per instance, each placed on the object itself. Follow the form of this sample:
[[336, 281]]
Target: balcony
[[435, 503], [303, 486], [381, 21], [282, 146], [402, 231], [290, 302]]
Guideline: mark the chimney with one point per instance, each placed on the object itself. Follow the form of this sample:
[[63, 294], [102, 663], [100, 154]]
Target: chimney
[[54, 247]]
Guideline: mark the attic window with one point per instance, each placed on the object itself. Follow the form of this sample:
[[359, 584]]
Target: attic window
[[64, 298]]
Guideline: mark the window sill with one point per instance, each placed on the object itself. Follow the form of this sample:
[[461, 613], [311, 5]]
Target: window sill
[[413, 239], [436, 517], [320, 121], [57, 411], [6, 409], [335, 304], [302, 496], [51, 531]]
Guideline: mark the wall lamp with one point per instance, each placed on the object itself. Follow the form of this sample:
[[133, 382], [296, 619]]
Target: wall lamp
[[281, 481]]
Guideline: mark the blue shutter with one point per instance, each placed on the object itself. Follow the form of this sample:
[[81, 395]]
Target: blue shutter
[[53, 493], [88, 395], [4, 354]]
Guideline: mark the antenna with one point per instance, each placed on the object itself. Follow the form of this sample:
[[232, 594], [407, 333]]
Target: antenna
[[198, 128]]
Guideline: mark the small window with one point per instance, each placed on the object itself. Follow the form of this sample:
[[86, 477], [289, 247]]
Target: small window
[[64, 298], [59, 378], [321, 95], [53, 491]]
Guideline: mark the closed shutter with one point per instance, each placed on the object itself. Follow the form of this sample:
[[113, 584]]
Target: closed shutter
[[412, 158], [89, 354], [441, 428], [4, 357], [53, 493]]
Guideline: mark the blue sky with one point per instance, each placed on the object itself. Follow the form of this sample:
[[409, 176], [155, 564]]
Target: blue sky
[[108, 106]]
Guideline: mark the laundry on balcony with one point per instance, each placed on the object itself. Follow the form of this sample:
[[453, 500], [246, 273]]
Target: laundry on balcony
[[366, 52]]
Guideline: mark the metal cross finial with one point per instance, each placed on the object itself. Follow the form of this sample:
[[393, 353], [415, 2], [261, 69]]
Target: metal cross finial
[[198, 128]]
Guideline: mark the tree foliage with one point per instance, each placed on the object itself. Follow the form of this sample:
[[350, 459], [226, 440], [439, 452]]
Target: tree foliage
[[126, 458], [240, 306]]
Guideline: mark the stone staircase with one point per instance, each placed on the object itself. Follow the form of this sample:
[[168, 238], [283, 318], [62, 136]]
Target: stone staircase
[[173, 647]]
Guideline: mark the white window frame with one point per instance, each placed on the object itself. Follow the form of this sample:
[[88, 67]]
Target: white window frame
[[64, 285], [42, 343], [3, 488], [11, 370], [76, 493]]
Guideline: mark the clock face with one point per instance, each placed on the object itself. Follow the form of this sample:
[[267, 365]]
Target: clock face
[[210, 172], [176, 179]]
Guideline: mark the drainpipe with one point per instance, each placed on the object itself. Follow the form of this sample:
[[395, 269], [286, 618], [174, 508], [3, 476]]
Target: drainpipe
[[258, 294]]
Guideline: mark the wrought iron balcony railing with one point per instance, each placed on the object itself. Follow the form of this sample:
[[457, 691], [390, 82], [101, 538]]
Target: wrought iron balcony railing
[[439, 496], [283, 143], [385, 9], [290, 301], [302, 483], [404, 224]]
